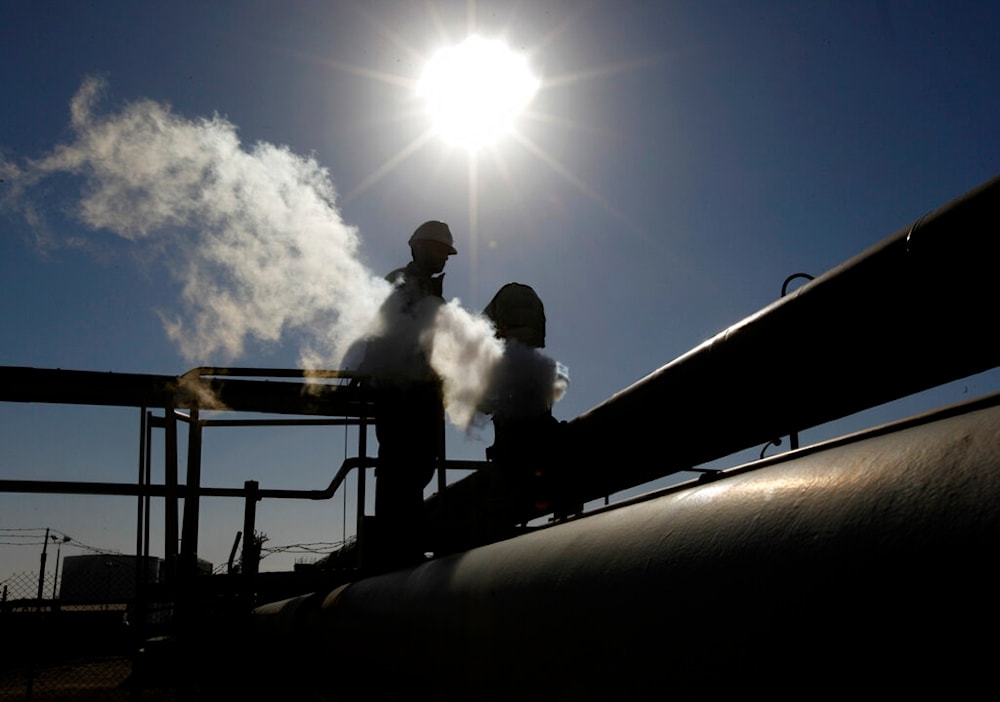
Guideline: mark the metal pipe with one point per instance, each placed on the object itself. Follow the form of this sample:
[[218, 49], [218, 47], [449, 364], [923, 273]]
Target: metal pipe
[[866, 564], [359, 516], [278, 422], [141, 529], [189, 528], [78, 487], [148, 480], [23, 384], [170, 507], [251, 554], [910, 313], [141, 479]]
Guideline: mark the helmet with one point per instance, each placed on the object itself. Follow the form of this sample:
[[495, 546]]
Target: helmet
[[518, 313], [435, 231]]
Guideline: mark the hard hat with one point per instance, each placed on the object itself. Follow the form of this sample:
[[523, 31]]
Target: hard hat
[[435, 231], [518, 313]]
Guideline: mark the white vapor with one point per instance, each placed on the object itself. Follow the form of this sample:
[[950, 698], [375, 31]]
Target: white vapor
[[253, 235], [465, 354]]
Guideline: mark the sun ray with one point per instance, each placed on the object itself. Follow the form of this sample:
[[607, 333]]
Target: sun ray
[[434, 14], [380, 76], [580, 185], [565, 123], [507, 178], [604, 71], [397, 39], [473, 166], [578, 9], [393, 79], [383, 170]]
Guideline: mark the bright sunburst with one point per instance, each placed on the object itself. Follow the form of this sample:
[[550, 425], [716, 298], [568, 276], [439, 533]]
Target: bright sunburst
[[475, 90], [473, 93]]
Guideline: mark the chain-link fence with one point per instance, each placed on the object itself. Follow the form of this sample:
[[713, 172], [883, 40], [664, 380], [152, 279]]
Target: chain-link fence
[[80, 640]]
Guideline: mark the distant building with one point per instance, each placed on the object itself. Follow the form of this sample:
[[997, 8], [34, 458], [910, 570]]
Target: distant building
[[103, 578], [109, 578]]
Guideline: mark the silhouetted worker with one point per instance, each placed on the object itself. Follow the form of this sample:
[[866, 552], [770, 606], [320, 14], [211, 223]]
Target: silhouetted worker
[[409, 420], [521, 393], [524, 387]]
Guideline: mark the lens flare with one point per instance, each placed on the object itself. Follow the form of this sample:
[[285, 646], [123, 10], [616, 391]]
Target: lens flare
[[475, 90]]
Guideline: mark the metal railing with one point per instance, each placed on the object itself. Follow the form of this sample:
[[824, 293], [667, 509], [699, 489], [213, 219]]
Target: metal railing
[[210, 387], [198, 391]]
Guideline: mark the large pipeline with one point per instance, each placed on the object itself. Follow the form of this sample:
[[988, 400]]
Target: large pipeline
[[913, 312], [858, 569]]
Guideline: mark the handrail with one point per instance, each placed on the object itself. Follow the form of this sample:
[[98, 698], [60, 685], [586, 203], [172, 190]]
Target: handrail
[[256, 372], [83, 487]]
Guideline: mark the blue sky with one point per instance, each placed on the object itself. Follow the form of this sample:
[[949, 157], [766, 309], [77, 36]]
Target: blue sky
[[680, 160]]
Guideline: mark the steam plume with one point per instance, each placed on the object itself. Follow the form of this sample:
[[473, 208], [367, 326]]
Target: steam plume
[[253, 236], [465, 354]]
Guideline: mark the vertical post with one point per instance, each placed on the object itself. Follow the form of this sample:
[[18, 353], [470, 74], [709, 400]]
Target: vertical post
[[149, 479], [434, 536], [55, 578], [362, 475], [41, 569], [139, 606], [441, 475], [192, 496], [793, 437], [170, 482], [250, 553], [141, 480], [232, 553], [186, 563]]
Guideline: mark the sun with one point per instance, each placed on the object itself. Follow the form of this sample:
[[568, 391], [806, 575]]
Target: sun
[[475, 90], [472, 94]]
